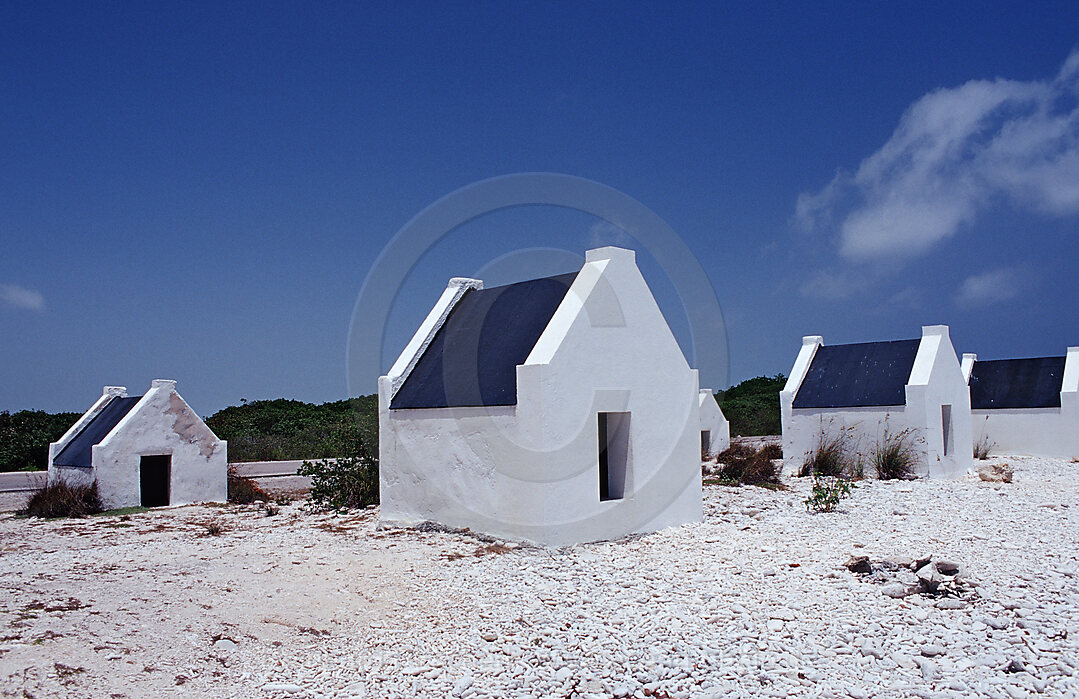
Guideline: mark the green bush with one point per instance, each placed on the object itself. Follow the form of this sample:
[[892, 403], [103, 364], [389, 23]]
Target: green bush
[[752, 407], [274, 430], [826, 493], [63, 500], [343, 483], [25, 437]]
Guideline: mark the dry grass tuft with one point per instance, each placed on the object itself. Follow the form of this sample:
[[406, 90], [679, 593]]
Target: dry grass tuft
[[741, 464], [243, 490], [63, 500]]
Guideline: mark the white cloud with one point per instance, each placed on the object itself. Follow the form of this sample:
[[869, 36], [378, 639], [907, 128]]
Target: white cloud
[[955, 153], [987, 288], [15, 296], [833, 286]]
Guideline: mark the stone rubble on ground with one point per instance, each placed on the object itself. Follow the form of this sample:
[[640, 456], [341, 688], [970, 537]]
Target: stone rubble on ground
[[740, 605], [995, 472]]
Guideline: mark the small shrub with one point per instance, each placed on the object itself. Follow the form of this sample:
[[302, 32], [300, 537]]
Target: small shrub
[[740, 464], [896, 456], [772, 451], [826, 493], [243, 490], [982, 448], [271, 510], [341, 484], [63, 500], [212, 529]]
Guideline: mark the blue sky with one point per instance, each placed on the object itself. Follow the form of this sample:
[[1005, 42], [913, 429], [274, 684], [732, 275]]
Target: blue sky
[[198, 192]]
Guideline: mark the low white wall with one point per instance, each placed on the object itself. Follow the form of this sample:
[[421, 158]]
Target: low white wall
[[866, 427], [1028, 431]]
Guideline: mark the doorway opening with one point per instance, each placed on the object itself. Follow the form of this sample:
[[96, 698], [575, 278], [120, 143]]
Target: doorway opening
[[613, 455], [706, 444], [946, 427], [154, 475]]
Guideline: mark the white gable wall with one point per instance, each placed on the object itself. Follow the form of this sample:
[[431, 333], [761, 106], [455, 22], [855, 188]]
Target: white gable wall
[[937, 380], [1052, 432], [530, 471], [715, 422], [160, 423]]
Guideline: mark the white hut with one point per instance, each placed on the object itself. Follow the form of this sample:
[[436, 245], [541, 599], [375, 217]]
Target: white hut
[[556, 410], [148, 450], [1026, 406], [876, 388], [715, 430]]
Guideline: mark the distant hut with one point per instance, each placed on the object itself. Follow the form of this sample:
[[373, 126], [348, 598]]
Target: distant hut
[[148, 450], [715, 430], [873, 388], [1026, 406]]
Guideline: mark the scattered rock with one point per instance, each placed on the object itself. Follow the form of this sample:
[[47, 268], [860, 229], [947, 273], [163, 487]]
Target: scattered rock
[[461, 685], [951, 603], [932, 650], [859, 564], [929, 578], [224, 644], [899, 561], [870, 650], [947, 568], [282, 688], [897, 590], [489, 636], [930, 671], [1013, 666], [903, 660], [995, 473]]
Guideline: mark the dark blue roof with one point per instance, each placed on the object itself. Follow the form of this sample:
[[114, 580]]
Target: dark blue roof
[[78, 450], [1017, 383], [857, 375], [472, 359]]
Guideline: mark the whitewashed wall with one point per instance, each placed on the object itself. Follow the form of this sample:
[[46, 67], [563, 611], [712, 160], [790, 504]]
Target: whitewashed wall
[[936, 379], [1052, 432], [530, 471], [714, 421], [160, 423]]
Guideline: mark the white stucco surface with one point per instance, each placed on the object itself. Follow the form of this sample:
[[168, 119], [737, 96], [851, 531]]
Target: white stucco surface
[[1051, 432], [161, 423], [936, 380], [714, 422], [530, 471]]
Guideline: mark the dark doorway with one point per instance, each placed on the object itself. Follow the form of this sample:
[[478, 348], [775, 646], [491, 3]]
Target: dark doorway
[[154, 473], [613, 455], [946, 426], [706, 443]]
